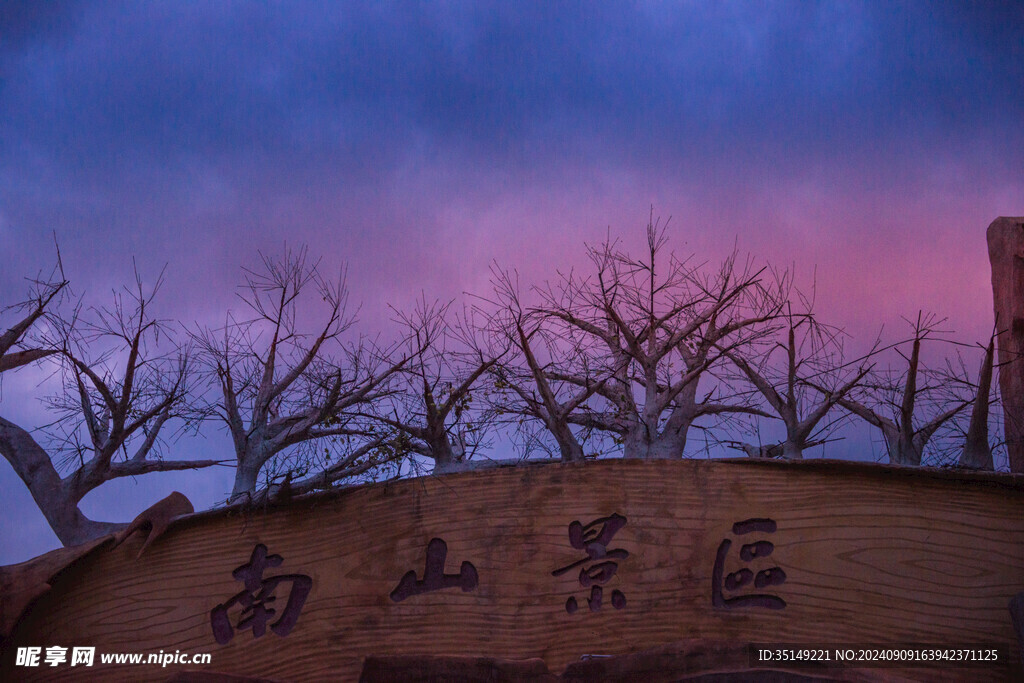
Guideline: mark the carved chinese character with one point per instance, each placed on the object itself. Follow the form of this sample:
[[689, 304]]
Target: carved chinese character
[[434, 577], [257, 598], [594, 538], [772, 576]]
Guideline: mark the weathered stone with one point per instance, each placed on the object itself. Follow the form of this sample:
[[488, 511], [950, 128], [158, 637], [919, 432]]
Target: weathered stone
[[1006, 254]]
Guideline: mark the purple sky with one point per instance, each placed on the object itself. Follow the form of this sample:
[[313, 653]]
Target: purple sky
[[418, 142]]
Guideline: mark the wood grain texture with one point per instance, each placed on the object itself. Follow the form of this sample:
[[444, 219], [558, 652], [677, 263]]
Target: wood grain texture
[[871, 555]]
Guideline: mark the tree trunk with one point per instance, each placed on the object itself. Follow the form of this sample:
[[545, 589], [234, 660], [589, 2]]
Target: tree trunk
[[903, 452], [52, 495], [667, 447], [792, 450], [444, 456], [568, 445], [1006, 254], [76, 528], [448, 467], [977, 453], [247, 474], [635, 444]]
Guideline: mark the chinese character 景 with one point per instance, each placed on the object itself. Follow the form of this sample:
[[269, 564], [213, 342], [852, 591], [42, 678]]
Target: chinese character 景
[[434, 577], [600, 565], [772, 576], [257, 597]]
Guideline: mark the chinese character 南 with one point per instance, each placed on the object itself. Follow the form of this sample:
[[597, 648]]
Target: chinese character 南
[[594, 538], [772, 576], [434, 577], [257, 597]]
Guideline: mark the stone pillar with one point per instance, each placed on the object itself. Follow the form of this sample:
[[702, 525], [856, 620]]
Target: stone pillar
[[1006, 254]]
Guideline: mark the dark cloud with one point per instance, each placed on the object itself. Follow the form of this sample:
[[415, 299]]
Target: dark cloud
[[293, 86], [160, 125]]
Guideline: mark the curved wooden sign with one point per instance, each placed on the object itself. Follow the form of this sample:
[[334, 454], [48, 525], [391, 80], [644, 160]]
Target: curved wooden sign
[[556, 562]]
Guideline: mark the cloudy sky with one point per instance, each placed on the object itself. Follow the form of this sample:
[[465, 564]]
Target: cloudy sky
[[868, 143]]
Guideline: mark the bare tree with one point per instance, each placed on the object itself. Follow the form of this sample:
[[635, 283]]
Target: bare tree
[[977, 452], [656, 327], [111, 415], [43, 293], [894, 399], [810, 351], [527, 382], [279, 388], [434, 409]]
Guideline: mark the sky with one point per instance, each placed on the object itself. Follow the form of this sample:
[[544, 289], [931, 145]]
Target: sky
[[865, 145]]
